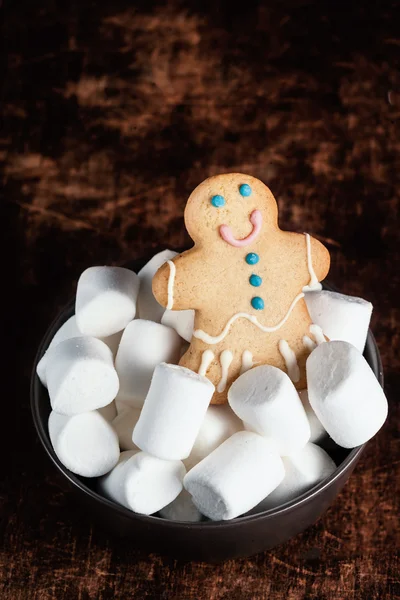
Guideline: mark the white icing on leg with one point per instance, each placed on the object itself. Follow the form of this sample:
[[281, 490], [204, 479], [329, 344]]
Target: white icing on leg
[[215, 339], [290, 360], [171, 280], [313, 285], [225, 359], [317, 332], [206, 360], [309, 343], [247, 361]]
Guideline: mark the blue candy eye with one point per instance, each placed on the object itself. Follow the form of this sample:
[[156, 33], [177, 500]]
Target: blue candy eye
[[245, 190], [218, 201]]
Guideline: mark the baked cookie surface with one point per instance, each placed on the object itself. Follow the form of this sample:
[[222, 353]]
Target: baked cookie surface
[[245, 278]]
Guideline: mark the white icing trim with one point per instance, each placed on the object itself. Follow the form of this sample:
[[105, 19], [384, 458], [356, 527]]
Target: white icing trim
[[313, 285], [309, 343], [215, 339], [206, 360], [225, 359], [171, 280], [317, 332], [247, 361], [290, 360]]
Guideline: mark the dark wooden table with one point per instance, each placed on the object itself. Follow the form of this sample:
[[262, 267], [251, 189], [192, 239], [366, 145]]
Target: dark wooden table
[[113, 113]]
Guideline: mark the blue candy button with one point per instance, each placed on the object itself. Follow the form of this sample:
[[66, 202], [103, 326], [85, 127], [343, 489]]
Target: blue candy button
[[257, 303], [255, 280], [252, 258], [218, 201], [245, 190]]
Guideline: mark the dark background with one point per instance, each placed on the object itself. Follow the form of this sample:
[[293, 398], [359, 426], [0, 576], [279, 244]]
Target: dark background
[[113, 112]]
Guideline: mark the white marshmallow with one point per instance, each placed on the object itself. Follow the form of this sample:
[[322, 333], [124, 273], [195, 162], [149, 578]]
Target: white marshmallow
[[182, 509], [106, 300], [318, 432], [80, 375], [180, 320], [303, 470], [345, 394], [267, 401], [86, 444], [173, 412], [219, 423], [143, 483], [68, 330], [143, 345], [109, 412], [124, 425], [148, 307], [235, 477], [340, 317]]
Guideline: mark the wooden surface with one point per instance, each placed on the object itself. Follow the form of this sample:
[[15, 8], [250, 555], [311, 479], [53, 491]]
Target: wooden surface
[[113, 113]]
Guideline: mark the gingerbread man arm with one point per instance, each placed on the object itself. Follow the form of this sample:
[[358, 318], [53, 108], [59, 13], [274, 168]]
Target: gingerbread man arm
[[319, 257], [175, 286]]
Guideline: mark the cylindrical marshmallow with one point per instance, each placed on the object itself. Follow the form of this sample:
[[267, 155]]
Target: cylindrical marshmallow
[[148, 307], [173, 412], [345, 394], [182, 509], [143, 483], [80, 375], [68, 330], [124, 425], [303, 470], [267, 402], [143, 345], [318, 431], [106, 300], [86, 444], [340, 317], [219, 423], [235, 477], [180, 320]]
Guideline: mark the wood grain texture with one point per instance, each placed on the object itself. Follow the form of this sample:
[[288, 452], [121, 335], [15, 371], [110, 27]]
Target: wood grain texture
[[113, 113]]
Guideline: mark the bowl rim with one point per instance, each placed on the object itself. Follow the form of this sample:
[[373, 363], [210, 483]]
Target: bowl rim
[[42, 431]]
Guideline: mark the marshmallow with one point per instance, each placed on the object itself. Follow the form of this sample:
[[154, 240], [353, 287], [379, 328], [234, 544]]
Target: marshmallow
[[318, 432], [235, 477], [143, 483], [219, 423], [303, 470], [86, 444], [106, 300], [148, 307], [340, 317], [143, 345], [68, 330], [181, 509], [173, 412], [267, 401], [180, 320], [109, 412], [80, 375], [345, 394], [124, 425]]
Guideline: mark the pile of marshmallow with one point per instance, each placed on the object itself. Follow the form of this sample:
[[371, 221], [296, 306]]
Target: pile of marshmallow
[[125, 412]]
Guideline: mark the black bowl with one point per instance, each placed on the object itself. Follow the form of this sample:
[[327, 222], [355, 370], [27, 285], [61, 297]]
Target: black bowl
[[208, 541]]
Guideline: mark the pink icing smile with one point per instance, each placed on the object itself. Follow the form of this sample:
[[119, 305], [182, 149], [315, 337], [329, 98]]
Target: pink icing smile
[[227, 235]]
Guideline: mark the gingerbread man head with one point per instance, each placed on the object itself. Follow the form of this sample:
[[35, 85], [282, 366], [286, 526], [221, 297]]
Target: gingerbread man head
[[230, 209], [245, 278]]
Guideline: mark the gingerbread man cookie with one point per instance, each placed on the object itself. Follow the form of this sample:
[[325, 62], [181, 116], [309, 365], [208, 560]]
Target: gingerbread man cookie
[[245, 278]]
